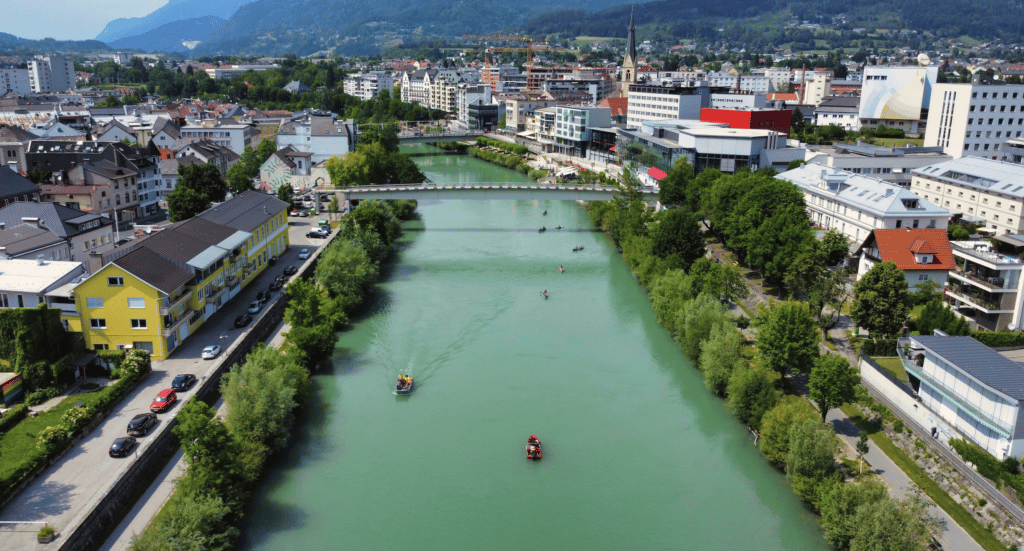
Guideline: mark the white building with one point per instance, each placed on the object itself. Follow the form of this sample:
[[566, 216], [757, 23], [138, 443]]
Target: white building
[[367, 85], [236, 137], [321, 135], [738, 101], [855, 205], [892, 164], [29, 283], [14, 80], [654, 102], [749, 84], [51, 74], [573, 124], [841, 111], [923, 254], [974, 119], [896, 96], [978, 188], [973, 388], [231, 71]]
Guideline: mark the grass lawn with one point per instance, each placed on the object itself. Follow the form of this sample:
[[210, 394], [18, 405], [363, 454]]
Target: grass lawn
[[899, 142], [915, 312], [927, 485], [19, 443], [894, 366]]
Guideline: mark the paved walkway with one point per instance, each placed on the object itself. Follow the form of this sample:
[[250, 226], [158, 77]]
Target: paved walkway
[[900, 485]]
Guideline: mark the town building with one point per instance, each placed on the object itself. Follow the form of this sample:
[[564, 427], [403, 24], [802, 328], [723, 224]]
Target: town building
[[979, 189], [892, 164], [319, 134], [13, 145], [519, 107], [572, 127], [16, 188], [855, 205], [51, 74], [986, 286], [231, 71], [778, 120], [654, 102], [235, 136], [295, 168], [924, 254], [29, 283], [970, 386], [841, 111], [973, 120], [69, 234], [158, 290], [367, 85], [14, 80], [897, 97], [477, 109], [209, 152]]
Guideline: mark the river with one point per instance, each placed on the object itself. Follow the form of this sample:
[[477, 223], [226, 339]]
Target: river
[[637, 453]]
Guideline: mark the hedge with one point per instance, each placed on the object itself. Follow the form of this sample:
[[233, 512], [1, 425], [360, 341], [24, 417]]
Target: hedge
[[996, 339], [504, 146], [879, 347], [12, 417]]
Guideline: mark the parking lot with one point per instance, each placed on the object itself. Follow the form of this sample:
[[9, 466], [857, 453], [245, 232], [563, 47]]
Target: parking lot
[[83, 474]]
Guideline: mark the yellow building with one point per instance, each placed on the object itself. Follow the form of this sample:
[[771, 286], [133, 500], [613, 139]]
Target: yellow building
[[165, 286]]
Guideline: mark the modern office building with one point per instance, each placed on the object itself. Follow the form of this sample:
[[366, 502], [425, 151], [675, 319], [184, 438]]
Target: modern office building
[[979, 189], [892, 164], [974, 120], [48, 74], [897, 97]]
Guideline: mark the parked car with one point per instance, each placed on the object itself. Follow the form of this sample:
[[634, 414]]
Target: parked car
[[122, 446], [254, 307], [326, 230], [263, 297], [273, 260], [243, 320], [183, 382], [163, 401], [141, 423], [290, 270], [276, 284], [211, 352], [303, 254], [316, 234], [303, 213], [294, 212]]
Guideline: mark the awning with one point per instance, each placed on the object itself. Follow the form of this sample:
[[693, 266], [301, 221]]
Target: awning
[[613, 148], [656, 173]]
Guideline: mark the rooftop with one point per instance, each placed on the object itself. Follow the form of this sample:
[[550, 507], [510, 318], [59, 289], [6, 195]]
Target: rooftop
[[245, 212], [900, 246], [876, 196], [975, 172], [979, 361], [34, 277]]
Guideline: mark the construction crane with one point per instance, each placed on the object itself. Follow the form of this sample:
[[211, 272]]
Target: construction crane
[[529, 48]]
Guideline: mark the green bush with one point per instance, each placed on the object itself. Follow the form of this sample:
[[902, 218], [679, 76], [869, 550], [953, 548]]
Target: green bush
[[898, 426], [12, 417], [40, 396], [988, 466], [45, 532], [743, 322], [996, 339], [879, 347]]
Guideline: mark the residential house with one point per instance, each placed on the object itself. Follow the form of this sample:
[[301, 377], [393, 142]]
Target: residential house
[[986, 286], [209, 152], [294, 168], [81, 233], [319, 134], [841, 111], [573, 124], [29, 283], [29, 241], [855, 205], [297, 87], [13, 145], [16, 188], [235, 136], [923, 254], [100, 188]]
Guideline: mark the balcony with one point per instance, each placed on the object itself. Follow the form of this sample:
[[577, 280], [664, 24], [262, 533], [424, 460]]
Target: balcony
[[168, 305], [171, 328], [992, 284], [982, 251], [975, 299]]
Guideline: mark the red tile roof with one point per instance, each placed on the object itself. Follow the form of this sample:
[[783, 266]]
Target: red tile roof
[[899, 245], [619, 106], [783, 96]]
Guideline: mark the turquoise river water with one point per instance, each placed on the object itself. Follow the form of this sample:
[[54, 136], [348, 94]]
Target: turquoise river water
[[637, 453]]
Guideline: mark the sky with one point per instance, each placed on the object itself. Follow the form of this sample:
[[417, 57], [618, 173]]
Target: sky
[[67, 19]]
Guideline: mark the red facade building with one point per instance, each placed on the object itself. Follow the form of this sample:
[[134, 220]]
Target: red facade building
[[753, 119]]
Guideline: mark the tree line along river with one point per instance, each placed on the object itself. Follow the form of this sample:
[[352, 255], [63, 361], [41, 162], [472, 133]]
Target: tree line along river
[[638, 454]]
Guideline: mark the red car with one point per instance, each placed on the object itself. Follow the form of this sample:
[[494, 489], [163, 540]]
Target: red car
[[163, 401]]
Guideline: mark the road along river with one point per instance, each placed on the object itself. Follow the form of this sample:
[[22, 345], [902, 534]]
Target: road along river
[[637, 453]]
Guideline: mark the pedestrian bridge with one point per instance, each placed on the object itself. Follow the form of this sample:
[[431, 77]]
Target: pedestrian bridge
[[436, 137], [489, 191]]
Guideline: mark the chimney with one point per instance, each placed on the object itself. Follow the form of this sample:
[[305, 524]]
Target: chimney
[[34, 221], [39, 259]]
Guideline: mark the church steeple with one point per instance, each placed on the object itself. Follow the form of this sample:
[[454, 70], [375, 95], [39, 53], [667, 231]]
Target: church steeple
[[628, 75]]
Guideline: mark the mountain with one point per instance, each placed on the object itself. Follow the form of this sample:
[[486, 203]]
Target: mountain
[[358, 27], [13, 44], [171, 37], [174, 10]]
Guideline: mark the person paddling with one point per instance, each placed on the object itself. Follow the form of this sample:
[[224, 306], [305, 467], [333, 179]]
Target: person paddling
[[545, 293]]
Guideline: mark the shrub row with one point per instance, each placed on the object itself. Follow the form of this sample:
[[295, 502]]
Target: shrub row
[[12, 417], [879, 347], [996, 339], [507, 161], [515, 149]]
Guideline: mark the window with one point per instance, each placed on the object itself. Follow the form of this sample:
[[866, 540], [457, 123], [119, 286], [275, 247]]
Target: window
[[115, 281], [101, 347], [136, 303], [98, 323], [94, 302], [138, 323]]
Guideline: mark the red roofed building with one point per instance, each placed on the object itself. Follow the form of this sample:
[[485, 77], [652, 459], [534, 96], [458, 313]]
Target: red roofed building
[[923, 254], [619, 107]]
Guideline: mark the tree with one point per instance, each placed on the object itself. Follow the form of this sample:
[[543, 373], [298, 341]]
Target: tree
[[720, 356], [376, 216], [676, 234], [260, 399], [309, 304], [774, 442], [285, 193], [862, 449], [718, 280], [787, 337], [752, 393], [881, 301], [672, 188], [668, 294], [936, 315], [205, 179], [210, 451], [811, 457], [832, 383], [839, 505], [695, 320], [333, 207], [835, 246], [198, 522], [184, 203], [501, 120], [347, 272], [893, 525], [384, 134]]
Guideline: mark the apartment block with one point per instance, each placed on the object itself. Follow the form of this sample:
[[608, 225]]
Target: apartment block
[[980, 189], [974, 120]]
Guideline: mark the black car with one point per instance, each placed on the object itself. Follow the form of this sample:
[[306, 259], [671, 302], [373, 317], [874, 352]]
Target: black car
[[290, 270], [183, 382], [140, 424], [122, 446], [276, 284], [273, 260], [243, 320], [315, 234], [263, 296]]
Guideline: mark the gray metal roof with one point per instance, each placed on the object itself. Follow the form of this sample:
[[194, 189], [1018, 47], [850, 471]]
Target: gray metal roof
[[61, 220], [13, 184], [979, 361]]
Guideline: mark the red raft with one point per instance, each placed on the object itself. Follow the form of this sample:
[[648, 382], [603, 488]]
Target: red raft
[[533, 450]]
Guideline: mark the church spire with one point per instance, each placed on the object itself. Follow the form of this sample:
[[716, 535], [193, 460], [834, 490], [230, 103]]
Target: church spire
[[628, 74], [631, 41]]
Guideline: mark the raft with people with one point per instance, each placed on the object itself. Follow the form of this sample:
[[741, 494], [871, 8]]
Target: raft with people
[[404, 384], [533, 449]]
